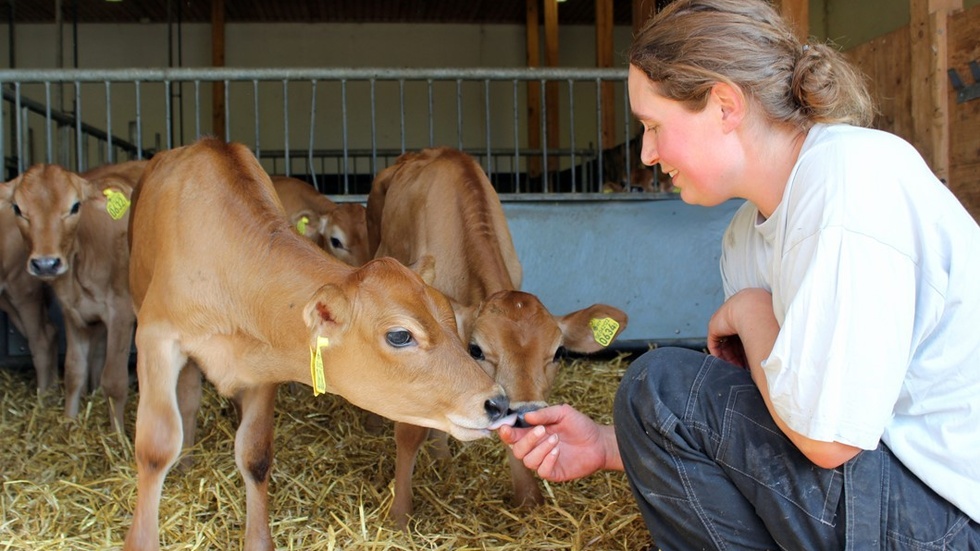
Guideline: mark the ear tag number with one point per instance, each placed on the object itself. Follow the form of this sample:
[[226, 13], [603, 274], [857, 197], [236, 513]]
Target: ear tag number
[[604, 330], [316, 366], [116, 203]]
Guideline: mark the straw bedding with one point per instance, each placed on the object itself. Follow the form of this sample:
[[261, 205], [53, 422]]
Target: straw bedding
[[73, 485]]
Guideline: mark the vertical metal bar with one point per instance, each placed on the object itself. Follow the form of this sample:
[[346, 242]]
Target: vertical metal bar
[[343, 111], [459, 113], [628, 137], [571, 130], [168, 115], [486, 103], [432, 131], [517, 142], [544, 138], [312, 135], [401, 110], [79, 165], [285, 122], [47, 122], [110, 154], [197, 110], [374, 129], [20, 125], [3, 152], [598, 122], [227, 111], [139, 124], [255, 107]]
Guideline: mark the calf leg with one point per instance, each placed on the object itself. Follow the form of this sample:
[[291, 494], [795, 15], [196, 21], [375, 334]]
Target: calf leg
[[77, 343], [158, 431], [253, 455], [115, 374], [527, 492], [29, 315], [408, 441], [189, 402]]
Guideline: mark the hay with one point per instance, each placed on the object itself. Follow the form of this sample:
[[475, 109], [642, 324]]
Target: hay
[[73, 485]]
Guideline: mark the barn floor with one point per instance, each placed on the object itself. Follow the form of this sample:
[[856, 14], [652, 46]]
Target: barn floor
[[331, 482]]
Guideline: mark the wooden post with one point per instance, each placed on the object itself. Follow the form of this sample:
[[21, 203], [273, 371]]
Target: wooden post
[[797, 12], [533, 37], [930, 96], [218, 60], [604, 58], [551, 88], [642, 11]]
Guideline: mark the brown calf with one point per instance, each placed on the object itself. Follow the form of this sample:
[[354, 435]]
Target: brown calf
[[22, 297], [340, 229], [80, 249], [439, 204], [221, 278]]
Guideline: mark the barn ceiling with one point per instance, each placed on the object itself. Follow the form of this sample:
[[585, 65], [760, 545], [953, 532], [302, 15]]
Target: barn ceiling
[[570, 12]]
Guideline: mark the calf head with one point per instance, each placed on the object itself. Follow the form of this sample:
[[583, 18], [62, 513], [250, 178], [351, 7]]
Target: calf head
[[343, 233], [520, 343], [392, 348], [49, 201]]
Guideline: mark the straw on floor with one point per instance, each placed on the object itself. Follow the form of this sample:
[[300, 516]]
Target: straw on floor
[[73, 485]]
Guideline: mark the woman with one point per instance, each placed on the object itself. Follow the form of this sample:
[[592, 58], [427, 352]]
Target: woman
[[840, 405]]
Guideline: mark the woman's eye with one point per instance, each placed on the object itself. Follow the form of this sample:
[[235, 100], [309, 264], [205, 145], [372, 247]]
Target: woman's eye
[[476, 352], [399, 338]]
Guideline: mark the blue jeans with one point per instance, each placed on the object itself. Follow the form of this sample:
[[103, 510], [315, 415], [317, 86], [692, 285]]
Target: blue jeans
[[710, 470]]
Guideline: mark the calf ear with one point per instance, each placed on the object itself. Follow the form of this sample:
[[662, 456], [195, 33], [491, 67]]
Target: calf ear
[[426, 268], [591, 329], [7, 191], [328, 313], [464, 319]]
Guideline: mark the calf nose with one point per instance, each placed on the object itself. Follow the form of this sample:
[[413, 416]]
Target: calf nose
[[497, 407], [45, 265]]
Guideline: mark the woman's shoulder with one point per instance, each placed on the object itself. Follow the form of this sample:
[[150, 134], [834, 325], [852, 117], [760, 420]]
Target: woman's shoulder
[[856, 142]]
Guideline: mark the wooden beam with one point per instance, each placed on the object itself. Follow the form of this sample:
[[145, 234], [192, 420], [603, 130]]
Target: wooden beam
[[218, 60], [552, 139], [930, 94], [797, 12], [642, 11], [533, 42], [604, 58]]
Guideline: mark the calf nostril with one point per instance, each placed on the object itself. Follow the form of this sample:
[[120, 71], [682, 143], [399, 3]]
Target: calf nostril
[[45, 265], [496, 407]]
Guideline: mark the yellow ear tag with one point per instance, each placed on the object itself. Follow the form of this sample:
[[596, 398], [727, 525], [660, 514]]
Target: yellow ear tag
[[116, 203], [604, 330], [316, 366], [301, 225]]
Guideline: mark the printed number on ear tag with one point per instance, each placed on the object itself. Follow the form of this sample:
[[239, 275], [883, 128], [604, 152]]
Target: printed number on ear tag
[[604, 330], [116, 203]]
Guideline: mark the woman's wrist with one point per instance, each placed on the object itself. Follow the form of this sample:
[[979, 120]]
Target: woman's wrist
[[613, 461]]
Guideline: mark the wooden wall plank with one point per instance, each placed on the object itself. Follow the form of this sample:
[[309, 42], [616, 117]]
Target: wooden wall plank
[[604, 58], [964, 118], [218, 60]]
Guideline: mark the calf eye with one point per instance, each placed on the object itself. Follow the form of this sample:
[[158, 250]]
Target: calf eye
[[75, 207], [560, 354], [476, 352], [336, 243], [399, 338], [17, 210]]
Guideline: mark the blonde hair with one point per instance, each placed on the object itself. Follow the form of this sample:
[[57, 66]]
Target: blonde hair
[[693, 44]]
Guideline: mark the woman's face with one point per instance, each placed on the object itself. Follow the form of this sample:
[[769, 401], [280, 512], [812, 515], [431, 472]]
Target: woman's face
[[691, 147]]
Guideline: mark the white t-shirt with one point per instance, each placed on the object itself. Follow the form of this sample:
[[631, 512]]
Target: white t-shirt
[[874, 269]]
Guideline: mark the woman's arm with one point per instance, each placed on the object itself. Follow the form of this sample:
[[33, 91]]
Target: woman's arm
[[743, 331]]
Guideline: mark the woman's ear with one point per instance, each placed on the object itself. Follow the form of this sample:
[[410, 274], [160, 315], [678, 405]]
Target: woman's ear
[[731, 101]]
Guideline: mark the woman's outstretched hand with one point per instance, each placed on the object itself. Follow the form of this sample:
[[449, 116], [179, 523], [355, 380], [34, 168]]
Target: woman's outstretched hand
[[564, 444]]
